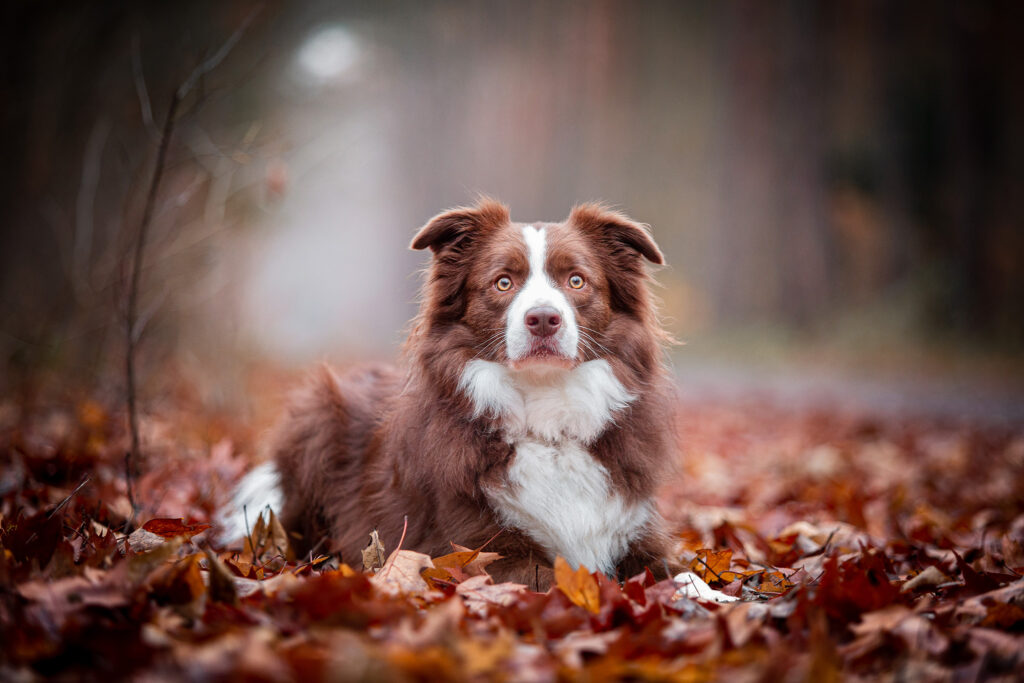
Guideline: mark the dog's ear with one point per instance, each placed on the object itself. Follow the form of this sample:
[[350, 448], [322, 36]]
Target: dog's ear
[[454, 227], [616, 229]]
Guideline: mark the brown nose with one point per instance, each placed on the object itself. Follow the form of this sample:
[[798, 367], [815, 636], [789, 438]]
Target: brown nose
[[543, 321]]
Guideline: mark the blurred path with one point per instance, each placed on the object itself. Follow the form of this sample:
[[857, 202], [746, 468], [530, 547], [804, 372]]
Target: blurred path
[[952, 396]]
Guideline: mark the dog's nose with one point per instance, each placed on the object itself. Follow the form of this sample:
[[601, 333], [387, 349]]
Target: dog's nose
[[543, 321]]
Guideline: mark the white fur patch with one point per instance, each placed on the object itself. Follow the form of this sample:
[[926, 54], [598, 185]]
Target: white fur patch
[[258, 490], [539, 290], [560, 496], [555, 491], [558, 404]]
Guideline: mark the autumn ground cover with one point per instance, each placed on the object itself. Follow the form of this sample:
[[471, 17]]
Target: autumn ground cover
[[859, 545]]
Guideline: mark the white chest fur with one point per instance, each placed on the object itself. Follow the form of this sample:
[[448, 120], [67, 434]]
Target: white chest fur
[[555, 491], [576, 404], [560, 496]]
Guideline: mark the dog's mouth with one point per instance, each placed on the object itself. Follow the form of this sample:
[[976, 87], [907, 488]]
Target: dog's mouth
[[543, 353]]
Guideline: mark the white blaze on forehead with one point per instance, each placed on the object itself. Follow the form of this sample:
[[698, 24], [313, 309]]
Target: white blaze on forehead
[[536, 249], [539, 290]]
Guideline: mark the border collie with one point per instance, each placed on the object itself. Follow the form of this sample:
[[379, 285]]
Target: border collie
[[532, 401]]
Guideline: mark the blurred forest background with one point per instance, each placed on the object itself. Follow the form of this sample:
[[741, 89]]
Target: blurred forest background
[[838, 187]]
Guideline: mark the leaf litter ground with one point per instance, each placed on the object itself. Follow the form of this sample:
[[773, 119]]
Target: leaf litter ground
[[854, 545]]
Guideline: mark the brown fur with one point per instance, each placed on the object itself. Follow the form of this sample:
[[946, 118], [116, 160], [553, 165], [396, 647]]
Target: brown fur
[[380, 444]]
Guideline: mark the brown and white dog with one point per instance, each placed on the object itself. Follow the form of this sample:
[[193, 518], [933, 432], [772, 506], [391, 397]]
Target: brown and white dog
[[533, 400]]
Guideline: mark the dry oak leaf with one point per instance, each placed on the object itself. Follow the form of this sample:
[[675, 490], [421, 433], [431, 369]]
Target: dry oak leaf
[[269, 537], [579, 585]]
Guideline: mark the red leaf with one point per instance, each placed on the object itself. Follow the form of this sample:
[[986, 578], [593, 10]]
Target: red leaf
[[169, 528]]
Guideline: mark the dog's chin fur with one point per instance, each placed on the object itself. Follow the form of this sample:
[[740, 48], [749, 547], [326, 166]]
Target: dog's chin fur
[[550, 445]]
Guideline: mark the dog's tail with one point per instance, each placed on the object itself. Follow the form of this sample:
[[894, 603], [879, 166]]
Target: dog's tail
[[258, 490]]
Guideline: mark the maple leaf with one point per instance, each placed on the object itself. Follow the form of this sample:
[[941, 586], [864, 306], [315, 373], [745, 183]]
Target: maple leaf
[[711, 564], [579, 586], [401, 573], [479, 592]]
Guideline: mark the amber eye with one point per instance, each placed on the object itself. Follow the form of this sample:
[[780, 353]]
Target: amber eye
[[576, 281], [503, 284]]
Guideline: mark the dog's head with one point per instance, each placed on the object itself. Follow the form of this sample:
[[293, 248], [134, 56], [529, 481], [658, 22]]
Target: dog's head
[[533, 296]]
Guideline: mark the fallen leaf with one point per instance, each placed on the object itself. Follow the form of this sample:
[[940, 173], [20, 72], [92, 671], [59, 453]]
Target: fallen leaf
[[931, 577], [373, 554], [222, 584], [169, 528], [401, 573], [579, 586], [689, 585], [479, 592], [710, 565]]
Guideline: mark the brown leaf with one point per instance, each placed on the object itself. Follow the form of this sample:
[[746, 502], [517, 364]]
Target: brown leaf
[[931, 577], [75, 592], [222, 583], [142, 541], [579, 586], [141, 564], [169, 528], [373, 554], [179, 583], [477, 565]]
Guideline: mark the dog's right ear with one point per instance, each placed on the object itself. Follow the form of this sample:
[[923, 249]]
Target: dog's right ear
[[453, 227]]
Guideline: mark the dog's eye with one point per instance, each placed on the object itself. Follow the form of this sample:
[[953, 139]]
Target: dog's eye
[[503, 284], [576, 281]]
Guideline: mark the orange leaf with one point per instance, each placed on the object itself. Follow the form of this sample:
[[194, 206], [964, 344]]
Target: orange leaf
[[169, 528], [460, 559], [437, 577], [711, 564], [579, 586]]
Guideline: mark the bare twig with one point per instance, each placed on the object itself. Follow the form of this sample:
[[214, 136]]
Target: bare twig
[[132, 330], [135, 454], [85, 202], [216, 58], [131, 493], [140, 89], [85, 480], [248, 532]]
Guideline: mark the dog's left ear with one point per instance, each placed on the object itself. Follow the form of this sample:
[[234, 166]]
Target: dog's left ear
[[453, 227], [617, 228]]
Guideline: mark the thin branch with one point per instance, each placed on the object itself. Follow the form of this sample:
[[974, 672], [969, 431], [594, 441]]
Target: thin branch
[[214, 60], [131, 493], [141, 90], [85, 480], [132, 332], [131, 310], [86, 200]]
